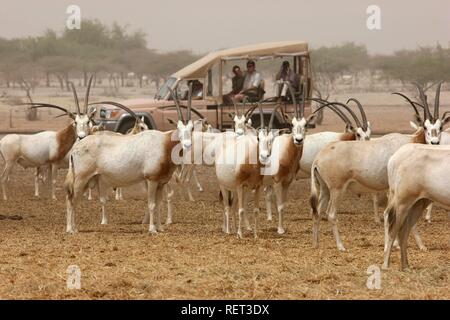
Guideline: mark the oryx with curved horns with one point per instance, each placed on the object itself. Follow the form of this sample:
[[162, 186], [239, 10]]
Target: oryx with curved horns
[[360, 166], [123, 160], [46, 148]]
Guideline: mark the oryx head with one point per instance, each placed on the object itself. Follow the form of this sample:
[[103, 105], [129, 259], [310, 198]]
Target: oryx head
[[265, 138], [432, 124], [299, 123], [82, 121], [242, 120]]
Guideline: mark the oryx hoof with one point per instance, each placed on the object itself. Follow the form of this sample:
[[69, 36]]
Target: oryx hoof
[[281, 230], [152, 229]]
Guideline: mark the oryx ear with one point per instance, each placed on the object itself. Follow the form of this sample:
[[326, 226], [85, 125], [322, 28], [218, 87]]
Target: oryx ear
[[249, 122], [413, 125], [231, 116], [92, 112], [312, 118], [171, 122], [445, 120]]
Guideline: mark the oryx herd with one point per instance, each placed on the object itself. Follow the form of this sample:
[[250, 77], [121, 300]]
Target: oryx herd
[[412, 169]]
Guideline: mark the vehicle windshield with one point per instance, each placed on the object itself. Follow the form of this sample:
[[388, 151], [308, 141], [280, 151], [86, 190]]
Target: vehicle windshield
[[165, 88]]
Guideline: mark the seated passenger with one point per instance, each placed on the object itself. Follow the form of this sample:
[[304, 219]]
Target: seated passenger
[[197, 90], [237, 83], [252, 84], [286, 74]]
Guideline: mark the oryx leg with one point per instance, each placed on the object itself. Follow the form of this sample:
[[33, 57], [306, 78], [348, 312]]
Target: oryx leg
[[241, 209], [375, 208], [71, 202], [335, 196], [409, 222], [226, 212], [324, 199], [36, 181], [169, 195], [394, 217], [256, 210], [428, 215], [280, 194], [102, 190], [152, 187], [268, 191], [197, 182], [158, 200], [5, 177], [53, 176]]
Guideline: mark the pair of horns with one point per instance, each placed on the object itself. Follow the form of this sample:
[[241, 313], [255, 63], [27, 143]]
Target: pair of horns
[[77, 104], [334, 106], [423, 98], [177, 104], [261, 114]]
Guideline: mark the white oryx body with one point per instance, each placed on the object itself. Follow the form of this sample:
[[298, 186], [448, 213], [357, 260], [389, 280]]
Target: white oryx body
[[418, 175], [123, 160], [40, 150], [362, 166], [357, 166], [120, 161]]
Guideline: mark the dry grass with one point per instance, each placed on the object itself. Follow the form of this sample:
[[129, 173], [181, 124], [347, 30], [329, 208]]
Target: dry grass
[[192, 259]]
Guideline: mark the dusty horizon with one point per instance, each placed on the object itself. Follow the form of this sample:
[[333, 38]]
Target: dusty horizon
[[212, 26]]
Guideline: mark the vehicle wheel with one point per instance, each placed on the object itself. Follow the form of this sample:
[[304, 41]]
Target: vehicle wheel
[[126, 127]]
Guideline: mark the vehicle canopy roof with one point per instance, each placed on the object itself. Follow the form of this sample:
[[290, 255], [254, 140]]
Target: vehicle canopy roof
[[199, 69]]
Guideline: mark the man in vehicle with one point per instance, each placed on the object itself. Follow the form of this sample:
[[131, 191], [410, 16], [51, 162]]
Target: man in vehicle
[[287, 74], [237, 83], [197, 90], [252, 84]]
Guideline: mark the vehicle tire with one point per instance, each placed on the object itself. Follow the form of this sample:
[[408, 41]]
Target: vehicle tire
[[126, 127]]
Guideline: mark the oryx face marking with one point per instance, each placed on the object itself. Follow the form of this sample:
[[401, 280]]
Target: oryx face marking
[[433, 131], [82, 125], [298, 130], [239, 124], [265, 140], [185, 133], [362, 135]]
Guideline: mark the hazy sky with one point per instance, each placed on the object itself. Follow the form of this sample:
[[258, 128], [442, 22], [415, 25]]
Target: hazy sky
[[205, 25]]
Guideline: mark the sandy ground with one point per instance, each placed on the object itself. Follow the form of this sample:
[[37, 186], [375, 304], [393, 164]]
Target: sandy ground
[[193, 259]]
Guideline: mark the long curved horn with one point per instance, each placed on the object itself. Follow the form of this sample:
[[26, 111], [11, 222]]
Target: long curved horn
[[88, 90], [177, 105], [250, 112], [361, 110], [47, 105], [272, 116], [302, 109], [423, 98], [75, 96], [355, 118], [131, 112], [445, 115], [235, 108], [294, 101], [436, 101], [189, 104], [413, 104], [261, 116], [337, 111]]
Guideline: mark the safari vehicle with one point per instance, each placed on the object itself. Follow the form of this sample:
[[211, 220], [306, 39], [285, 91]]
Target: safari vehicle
[[211, 71]]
